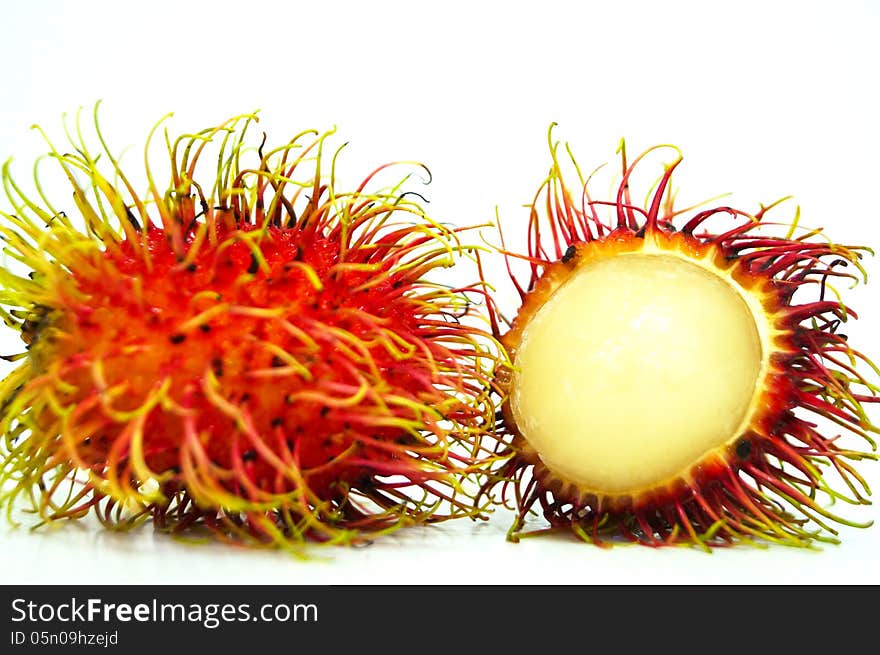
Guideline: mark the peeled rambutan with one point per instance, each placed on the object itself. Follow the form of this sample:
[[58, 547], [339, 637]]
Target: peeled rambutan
[[255, 351], [668, 385]]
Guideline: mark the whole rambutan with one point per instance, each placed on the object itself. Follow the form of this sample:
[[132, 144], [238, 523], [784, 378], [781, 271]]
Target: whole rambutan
[[668, 384], [253, 351]]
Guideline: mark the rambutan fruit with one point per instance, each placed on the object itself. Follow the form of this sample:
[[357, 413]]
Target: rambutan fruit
[[254, 352], [668, 385]]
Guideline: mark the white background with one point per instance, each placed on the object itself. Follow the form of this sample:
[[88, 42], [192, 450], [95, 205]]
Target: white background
[[766, 99]]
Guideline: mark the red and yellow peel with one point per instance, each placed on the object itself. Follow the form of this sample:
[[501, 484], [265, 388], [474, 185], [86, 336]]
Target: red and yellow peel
[[760, 482], [256, 353]]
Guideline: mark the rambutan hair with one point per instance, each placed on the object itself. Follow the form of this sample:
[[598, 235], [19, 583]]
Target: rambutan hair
[[255, 351], [771, 482]]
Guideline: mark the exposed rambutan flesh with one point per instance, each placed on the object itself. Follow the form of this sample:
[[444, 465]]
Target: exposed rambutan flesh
[[658, 357], [665, 385], [276, 366]]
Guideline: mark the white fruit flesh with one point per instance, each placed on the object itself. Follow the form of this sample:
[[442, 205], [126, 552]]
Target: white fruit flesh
[[633, 370]]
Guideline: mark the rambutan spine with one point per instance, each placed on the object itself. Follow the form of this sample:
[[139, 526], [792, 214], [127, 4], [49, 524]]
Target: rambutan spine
[[766, 483], [266, 357]]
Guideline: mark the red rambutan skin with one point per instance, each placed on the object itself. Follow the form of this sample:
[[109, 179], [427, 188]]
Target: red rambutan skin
[[121, 316], [764, 484], [277, 366]]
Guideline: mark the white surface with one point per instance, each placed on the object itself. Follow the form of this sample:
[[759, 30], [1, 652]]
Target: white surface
[[453, 553], [765, 99]]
